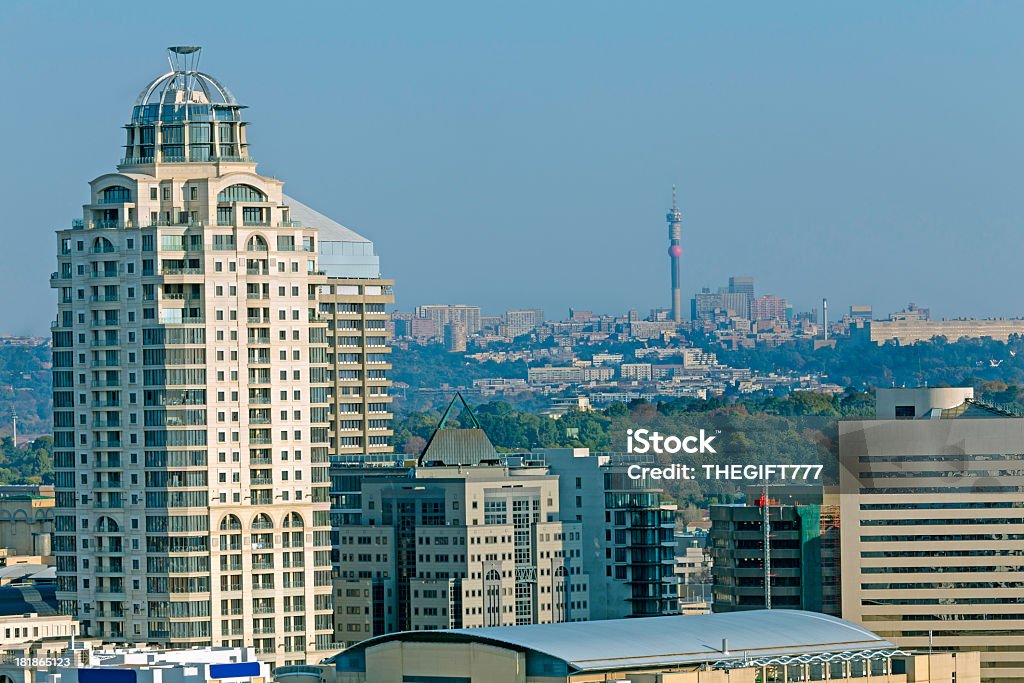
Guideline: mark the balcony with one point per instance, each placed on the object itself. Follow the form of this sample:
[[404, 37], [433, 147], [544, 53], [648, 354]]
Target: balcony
[[178, 270], [98, 274], [107, 249], [261, 481]]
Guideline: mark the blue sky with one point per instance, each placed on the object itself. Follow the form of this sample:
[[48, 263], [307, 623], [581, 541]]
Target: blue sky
[[522, 154]]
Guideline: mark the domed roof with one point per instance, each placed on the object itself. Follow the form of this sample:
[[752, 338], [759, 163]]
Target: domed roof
[[184, 93]]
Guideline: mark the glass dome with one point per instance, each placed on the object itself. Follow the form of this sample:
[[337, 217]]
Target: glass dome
[[185, 116]]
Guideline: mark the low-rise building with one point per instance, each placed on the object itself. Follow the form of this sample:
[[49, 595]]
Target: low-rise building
[[749, 647]]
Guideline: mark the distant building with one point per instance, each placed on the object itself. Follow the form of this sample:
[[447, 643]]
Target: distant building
[[742, 284], [562, 405], [26, 520], [443, 314], [768, 307], [860, 313], [580, 316], [568, 375], [455, 337], [903, 329], [518, 323], [636, 371], [490, 386]]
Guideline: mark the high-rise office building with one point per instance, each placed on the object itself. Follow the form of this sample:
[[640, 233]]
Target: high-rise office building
[[742, 284], [215, 340], [792, 563], [630, 529], [931, 493], [459, 537]]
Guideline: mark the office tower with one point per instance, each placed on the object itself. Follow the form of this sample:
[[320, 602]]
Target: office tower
[[742, 284], [630, 550], [215, 339], [706, 305], [518, 323], [465, 538], [442, 314], [791, 564], [768, 308], [932, 535], [675, 253]]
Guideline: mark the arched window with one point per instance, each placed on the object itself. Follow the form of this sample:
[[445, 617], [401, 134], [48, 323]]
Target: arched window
[[256, 243], [262, 521], [107, 525], [230, 523], [293, 521], [101, 245], [241, 193], [115, 195]]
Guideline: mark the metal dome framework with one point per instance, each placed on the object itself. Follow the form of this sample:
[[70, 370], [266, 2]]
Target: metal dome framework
[[163, 127]]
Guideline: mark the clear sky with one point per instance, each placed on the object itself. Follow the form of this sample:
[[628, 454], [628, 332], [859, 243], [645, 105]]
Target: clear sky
[[522, 155]]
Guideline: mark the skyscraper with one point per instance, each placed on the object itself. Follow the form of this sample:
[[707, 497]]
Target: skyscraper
[[215, 341], [675, 252]]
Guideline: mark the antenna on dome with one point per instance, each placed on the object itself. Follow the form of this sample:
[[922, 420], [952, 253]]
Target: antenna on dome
[[184, 61]]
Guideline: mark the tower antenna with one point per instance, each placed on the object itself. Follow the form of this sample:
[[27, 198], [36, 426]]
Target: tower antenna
[[675, 252]]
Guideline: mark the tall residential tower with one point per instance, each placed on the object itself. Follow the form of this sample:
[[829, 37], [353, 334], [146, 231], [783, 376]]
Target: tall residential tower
[[215, 342]]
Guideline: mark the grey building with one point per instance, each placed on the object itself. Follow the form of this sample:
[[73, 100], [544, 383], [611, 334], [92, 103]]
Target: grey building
[[630, 546]]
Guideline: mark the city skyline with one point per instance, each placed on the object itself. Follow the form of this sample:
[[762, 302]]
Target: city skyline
[[567, 135]]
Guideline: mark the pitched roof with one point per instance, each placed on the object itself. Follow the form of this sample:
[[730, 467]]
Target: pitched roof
[[330, 230]]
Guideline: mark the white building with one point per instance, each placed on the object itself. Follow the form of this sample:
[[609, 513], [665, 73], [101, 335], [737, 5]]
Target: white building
[[215, 340], [194, 665]]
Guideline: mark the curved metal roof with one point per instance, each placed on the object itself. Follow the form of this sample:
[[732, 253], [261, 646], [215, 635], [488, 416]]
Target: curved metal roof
[[662, 641]]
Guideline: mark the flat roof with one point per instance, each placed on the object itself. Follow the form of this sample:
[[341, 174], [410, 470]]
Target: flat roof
[[663, 641]]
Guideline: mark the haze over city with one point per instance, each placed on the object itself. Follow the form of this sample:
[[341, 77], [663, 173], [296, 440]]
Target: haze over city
[[866, 153]]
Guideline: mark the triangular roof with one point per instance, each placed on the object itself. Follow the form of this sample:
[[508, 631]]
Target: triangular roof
[[458, 446], [330, 230]]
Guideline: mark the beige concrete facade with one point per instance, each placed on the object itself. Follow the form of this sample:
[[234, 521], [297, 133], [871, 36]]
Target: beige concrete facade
[[26, 525], [932, 534], [487, 547], [205, 367], [908, 331]]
